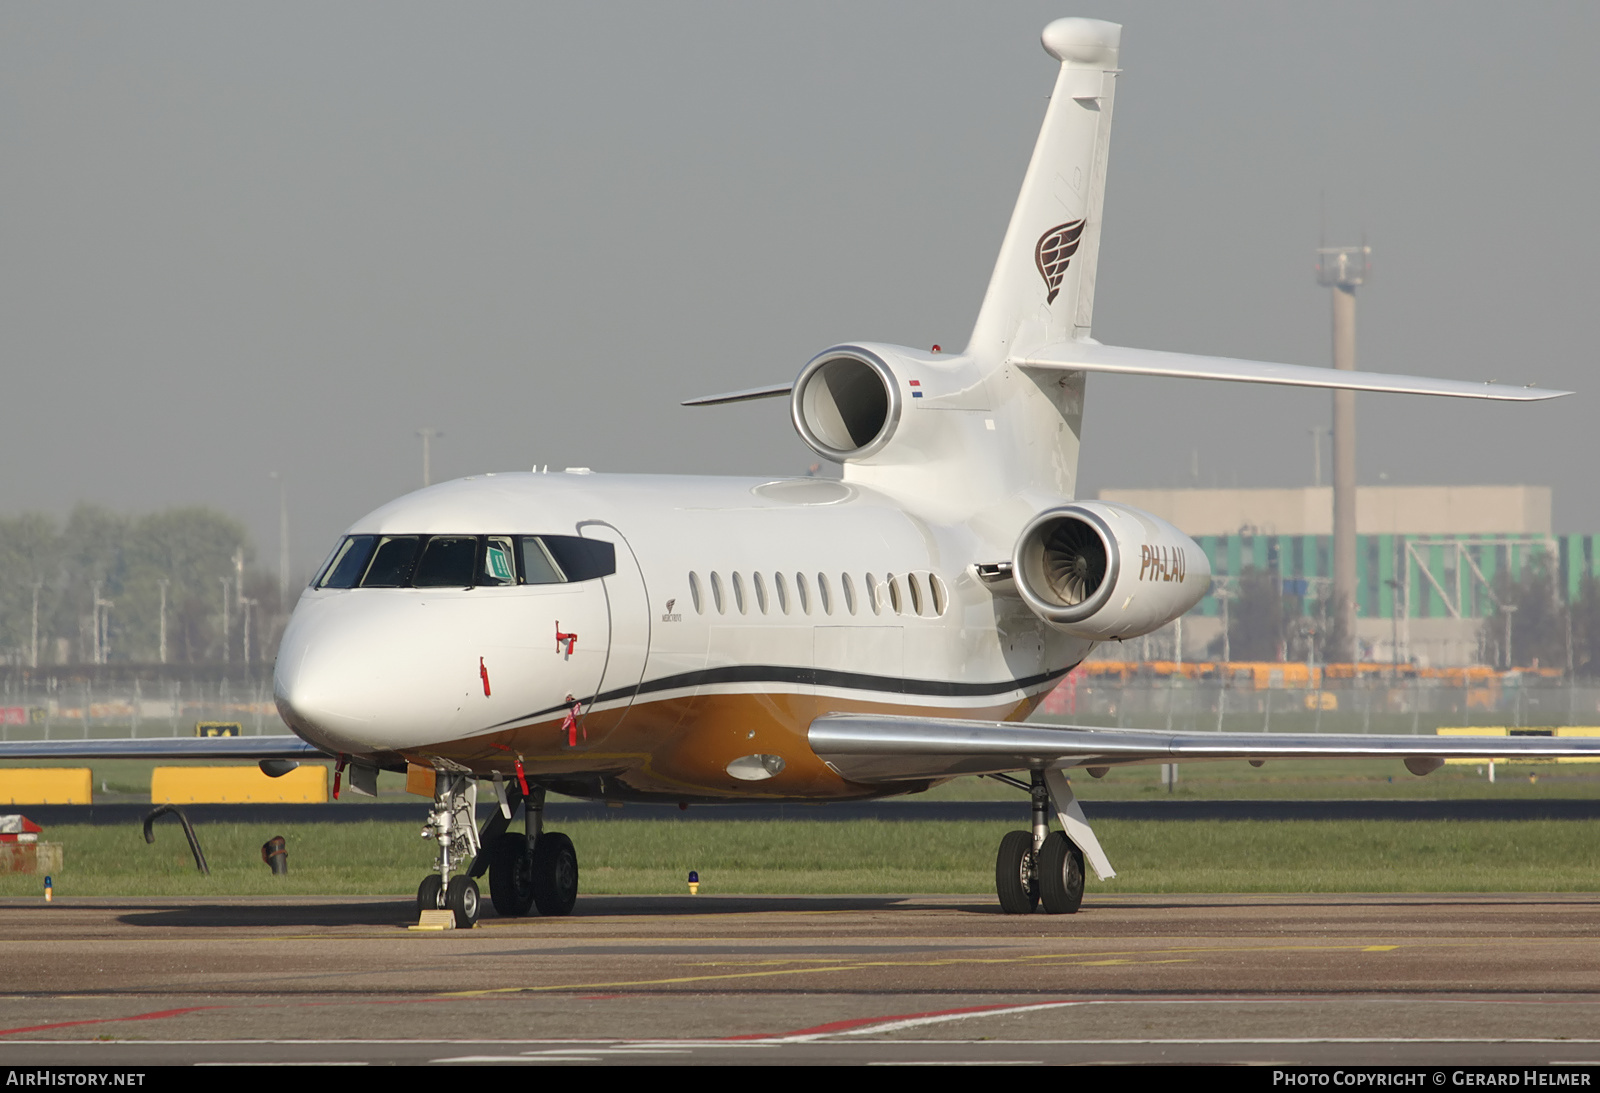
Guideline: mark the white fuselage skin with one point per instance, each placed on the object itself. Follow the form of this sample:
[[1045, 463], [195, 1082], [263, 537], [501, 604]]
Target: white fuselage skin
[[373, 671]]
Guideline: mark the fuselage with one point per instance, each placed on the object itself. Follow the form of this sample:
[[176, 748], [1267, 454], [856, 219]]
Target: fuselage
[[736, 611]]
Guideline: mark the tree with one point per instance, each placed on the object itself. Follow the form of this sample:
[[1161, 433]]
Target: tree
[[1538, 619], [29, 563], [127, 559], [1255, 618]]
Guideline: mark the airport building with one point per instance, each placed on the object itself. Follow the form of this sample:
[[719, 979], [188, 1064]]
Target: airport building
[[1430, 560]]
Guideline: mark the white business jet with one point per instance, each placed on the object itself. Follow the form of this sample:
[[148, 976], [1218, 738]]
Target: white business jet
[[681, 639]]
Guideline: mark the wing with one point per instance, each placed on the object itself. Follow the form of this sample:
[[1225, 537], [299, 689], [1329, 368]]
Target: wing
[[172, 747], [1090, 356], [873, 749], [776, 390]]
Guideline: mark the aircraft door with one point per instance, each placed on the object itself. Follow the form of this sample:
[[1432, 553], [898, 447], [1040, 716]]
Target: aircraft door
[[628, 603]]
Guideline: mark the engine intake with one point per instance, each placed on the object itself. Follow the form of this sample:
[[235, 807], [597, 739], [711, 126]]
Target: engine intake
[[1104, 571], [1066, 564], [846, 403]]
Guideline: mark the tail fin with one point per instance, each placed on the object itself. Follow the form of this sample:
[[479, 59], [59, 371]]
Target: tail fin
[[1042, 289]]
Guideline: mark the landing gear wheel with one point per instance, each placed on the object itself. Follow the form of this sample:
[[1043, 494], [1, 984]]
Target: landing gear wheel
[[511, 876], [1060, 874], [430, 893], [462, 899], [1014, 874], [555, 874]]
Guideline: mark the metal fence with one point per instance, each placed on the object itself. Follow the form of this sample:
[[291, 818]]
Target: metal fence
[[80, 709], [1405, 706]]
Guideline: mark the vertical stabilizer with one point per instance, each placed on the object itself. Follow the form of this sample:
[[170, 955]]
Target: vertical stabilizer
[[1042, 289]]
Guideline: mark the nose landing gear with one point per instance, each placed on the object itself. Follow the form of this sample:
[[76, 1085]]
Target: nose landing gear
[[452, 823]]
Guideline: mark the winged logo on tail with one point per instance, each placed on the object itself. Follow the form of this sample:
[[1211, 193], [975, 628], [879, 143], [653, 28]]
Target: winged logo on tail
[[1054, 252]]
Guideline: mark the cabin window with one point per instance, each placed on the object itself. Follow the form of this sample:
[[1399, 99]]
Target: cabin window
[[801, 593], [914, 586], [936, 587], [761, 591], [823, 596], [847, 586], [716, 593], [893, 583], [782, 589], [694, 593], [738, 592], [874, 594]]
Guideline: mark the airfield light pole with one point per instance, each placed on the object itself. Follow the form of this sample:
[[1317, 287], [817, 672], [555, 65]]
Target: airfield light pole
[[32, 658], [226, 637], [1344, 269], [428, 434], [1394, 629], [1317, 433], [283, 541], [163, 582]]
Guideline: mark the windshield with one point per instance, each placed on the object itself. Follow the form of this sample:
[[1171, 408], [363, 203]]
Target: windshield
[[466, 561]]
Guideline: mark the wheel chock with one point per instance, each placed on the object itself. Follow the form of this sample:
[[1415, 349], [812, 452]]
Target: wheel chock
[[435, 920]]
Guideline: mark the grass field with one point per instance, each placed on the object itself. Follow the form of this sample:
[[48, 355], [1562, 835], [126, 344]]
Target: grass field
[[649, 857], [1319, 779]]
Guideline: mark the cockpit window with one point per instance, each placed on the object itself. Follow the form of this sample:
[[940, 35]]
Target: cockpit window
[[394, 563], [447, 562], [581, 559], [349, 562], [537, 565], [499, 564], [466, 561]]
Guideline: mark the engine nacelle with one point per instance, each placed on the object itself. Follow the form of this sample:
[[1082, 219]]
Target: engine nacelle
[[1103, 572], [846, 403]]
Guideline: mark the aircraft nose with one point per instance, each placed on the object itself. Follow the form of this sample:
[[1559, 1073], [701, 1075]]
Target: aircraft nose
[[354, 678]]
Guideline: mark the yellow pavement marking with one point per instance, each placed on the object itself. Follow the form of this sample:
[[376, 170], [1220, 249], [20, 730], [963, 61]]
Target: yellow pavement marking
[[1025, 957], [1055, 959]]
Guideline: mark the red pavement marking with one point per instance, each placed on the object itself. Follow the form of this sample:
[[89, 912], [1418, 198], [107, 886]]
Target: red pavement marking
[[158, 1015], [155, 1016]]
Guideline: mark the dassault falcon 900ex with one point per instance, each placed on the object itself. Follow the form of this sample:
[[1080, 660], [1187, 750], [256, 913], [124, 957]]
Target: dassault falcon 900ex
[[678, 639]]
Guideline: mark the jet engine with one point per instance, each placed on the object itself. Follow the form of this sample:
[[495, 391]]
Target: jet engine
[[1105, 572], [847, 403]]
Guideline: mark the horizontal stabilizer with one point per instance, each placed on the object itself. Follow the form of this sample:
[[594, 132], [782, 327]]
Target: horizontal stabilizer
[[1089, 356], [776, 390], [168, 747], [871, 749]]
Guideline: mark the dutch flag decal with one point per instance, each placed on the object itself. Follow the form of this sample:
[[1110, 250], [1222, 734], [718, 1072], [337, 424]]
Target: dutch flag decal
[[916, 388]]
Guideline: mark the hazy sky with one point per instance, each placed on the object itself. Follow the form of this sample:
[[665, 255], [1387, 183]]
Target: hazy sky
[[245, 238]]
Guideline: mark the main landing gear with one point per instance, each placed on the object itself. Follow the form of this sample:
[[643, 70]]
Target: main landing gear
[[536, 869], [1039, 866], [533, 870]]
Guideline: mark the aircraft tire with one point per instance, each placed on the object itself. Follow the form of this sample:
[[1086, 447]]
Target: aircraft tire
[[1060, 875], [1015, 879], [555, 874], [511, 876], [429, 893], [462, 898]]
